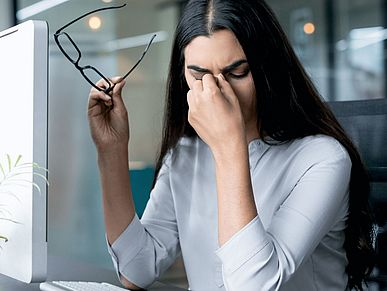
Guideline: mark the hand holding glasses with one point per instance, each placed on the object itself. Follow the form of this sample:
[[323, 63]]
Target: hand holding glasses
[[73, 53]]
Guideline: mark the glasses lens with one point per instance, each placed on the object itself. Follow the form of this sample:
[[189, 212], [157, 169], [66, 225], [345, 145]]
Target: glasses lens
[[68, 47], [93, 76]]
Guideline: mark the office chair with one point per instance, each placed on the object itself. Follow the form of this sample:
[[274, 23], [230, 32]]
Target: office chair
[[366, 123]]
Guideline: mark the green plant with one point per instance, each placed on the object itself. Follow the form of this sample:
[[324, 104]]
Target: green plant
[[11, 173]]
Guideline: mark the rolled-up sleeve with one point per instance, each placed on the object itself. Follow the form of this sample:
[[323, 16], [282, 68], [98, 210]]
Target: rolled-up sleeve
[[147, 247], [256, 258]]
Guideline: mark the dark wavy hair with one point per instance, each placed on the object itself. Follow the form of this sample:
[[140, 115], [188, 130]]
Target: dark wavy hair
[[288, 105]]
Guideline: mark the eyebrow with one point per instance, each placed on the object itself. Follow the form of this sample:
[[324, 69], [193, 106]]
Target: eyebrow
[[225, 70]]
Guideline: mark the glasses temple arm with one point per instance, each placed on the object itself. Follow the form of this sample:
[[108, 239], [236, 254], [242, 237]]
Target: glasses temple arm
[[142, 56], [86, 14], [107, 91]]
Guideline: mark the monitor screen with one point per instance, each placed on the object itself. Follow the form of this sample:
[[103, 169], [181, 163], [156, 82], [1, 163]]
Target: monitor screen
[[23, 151]]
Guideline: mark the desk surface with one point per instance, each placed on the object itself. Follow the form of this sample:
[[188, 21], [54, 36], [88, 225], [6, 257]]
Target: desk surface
[[61, 268]]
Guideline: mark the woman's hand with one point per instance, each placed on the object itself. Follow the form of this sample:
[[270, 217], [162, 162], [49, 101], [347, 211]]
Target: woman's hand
[[109, 124], [215, 113]]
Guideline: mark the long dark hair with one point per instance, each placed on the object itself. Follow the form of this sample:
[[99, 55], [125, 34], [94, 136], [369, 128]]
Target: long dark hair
[[288, 104]]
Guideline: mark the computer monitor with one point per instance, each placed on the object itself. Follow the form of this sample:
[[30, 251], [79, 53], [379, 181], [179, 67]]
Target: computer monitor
[[23, 140]]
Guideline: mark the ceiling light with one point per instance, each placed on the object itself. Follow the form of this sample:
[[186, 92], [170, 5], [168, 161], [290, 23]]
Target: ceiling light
[[309, 28], [95, 22]]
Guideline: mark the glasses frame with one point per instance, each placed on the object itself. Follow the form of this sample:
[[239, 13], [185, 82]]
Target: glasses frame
[[81, 69]]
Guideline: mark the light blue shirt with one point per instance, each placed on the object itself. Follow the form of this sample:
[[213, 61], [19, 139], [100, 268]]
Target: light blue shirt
[[295, 243]]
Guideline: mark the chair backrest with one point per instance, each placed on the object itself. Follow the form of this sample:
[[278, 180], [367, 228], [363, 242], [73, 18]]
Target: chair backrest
[[366, 123]]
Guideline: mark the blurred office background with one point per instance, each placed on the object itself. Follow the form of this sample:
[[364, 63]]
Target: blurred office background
[[342, 44]]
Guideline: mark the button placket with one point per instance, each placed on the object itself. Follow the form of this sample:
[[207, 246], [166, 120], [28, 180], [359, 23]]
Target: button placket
[[254, 146], [218, 273]]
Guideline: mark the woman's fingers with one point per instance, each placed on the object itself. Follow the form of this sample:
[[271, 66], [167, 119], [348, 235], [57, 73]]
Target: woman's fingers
[[103, 84], [116, 80], [114, 95], [210, 83], [197, 86], [226, 88], [211, 86], [117, 93], [218, 86], [96, 97]]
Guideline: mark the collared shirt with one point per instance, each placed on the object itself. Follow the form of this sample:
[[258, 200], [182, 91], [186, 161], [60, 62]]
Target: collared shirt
[[295, 242]]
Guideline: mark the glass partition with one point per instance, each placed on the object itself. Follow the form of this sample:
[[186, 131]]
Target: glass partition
[[341, 44], [112, 41]]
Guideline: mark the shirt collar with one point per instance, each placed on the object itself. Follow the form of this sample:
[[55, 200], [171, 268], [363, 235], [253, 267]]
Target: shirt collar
[[256, 150]]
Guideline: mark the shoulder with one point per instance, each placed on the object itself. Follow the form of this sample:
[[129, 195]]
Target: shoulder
[[316, 150], [319, 147], [304, 154]]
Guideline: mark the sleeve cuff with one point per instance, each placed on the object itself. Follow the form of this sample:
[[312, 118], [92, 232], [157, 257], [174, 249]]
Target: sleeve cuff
[[113, 256], [125, 248], [243, 245]]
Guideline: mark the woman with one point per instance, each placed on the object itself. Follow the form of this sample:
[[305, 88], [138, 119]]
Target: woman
[[257, 185]]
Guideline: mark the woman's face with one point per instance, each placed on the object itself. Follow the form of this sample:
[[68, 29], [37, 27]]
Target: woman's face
[[221, 53]]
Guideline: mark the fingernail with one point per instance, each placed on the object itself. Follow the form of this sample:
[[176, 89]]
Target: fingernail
[[222, 77]]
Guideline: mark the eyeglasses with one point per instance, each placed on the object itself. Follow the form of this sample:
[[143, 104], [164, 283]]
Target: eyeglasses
[[73, 54]]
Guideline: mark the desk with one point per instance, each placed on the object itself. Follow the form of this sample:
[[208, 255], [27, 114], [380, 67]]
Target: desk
[[61, 268]]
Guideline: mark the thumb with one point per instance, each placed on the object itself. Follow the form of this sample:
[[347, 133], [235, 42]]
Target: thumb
[[117, 94]]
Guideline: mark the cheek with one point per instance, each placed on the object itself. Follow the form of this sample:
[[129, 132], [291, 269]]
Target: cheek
[[245, 91]]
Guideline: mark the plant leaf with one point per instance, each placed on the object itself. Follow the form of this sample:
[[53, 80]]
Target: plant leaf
[[4, 211], [43, 177], [18, 159], [10, 181], [9, 163], [17, 174], [2, 170], [10, 220], [11, 194], [37, 187], [33, 165]]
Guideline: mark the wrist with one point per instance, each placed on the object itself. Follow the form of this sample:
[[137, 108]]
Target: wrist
[[230, 151], [115, 155], [112, 150]]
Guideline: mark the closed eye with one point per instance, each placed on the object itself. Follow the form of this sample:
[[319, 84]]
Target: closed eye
[[238, 75], [198, 76]]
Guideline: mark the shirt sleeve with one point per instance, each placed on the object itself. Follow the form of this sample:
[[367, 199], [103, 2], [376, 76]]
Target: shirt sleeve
[[148, 247], [258, 258]]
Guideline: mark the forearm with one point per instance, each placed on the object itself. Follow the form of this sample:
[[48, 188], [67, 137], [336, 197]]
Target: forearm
[[116, 192], [236, 206]]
